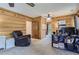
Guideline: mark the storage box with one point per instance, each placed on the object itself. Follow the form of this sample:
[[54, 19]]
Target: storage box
[[61, 45], [55, 45]]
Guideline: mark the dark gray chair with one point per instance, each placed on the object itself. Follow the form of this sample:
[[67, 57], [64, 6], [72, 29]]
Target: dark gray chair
[[20, 39]]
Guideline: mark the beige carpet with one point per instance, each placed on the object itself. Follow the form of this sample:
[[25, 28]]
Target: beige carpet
[[38, 47]]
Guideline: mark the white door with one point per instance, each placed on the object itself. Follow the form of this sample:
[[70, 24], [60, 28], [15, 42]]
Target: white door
[[29, 27]]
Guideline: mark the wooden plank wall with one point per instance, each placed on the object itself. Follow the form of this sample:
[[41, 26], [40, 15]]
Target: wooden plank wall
[[10, 21], [69, 21], [38, 31], [43, 27]]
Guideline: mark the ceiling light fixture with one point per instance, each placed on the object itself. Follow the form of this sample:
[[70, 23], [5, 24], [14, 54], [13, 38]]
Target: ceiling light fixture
[[48, 18]]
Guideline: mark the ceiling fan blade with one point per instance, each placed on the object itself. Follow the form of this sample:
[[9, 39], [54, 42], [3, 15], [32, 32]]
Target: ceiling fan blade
[[11, 4], [31, 4]]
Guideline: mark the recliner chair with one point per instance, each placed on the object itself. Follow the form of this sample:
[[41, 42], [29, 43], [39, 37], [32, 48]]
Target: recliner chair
[[20, 39]]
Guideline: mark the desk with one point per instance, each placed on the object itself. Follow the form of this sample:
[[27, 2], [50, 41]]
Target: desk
[[6, 43]]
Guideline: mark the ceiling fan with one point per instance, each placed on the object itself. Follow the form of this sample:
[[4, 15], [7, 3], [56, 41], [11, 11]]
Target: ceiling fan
[[30, 4], [47, 15]]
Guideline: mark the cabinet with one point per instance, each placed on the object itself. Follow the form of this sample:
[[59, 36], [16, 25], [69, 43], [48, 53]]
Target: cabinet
[[10, 43], [6, 43]]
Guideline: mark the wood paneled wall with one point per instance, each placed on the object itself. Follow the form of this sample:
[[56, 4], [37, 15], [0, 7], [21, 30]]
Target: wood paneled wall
[[10, 21], [69, 22], [43, 27], [38, 27]]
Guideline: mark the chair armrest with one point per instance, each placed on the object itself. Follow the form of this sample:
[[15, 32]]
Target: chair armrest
[[28, 35]]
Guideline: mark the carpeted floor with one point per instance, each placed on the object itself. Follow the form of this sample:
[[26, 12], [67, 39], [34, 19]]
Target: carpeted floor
[[38, 47]]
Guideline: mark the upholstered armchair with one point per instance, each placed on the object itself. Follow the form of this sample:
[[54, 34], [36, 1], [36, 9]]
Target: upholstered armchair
[[20, 39]]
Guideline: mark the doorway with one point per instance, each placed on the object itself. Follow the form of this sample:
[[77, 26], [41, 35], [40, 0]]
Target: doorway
[[29, 27], [49, 29]]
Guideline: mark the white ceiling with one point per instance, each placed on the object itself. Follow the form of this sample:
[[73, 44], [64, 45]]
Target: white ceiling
[[42, 9]]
